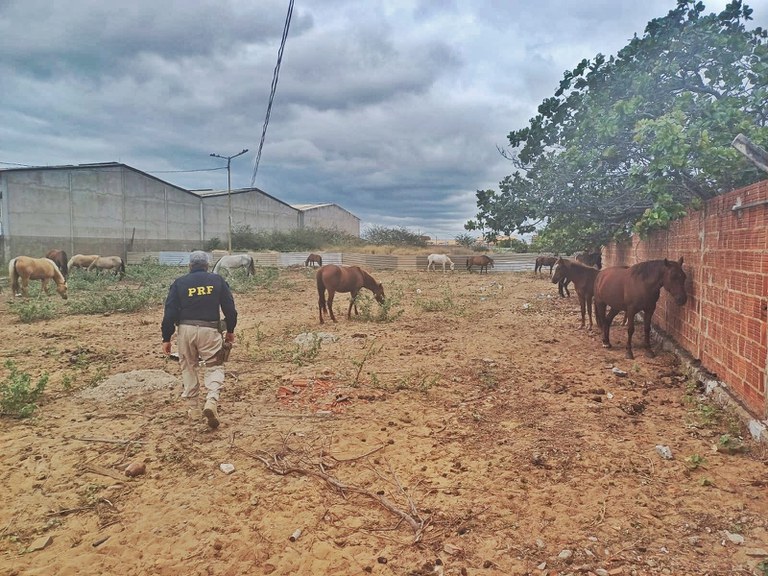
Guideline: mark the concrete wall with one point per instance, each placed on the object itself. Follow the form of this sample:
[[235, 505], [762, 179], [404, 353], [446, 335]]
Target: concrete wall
[[97, 209], [249, 207], [331, 217], [723, 324]]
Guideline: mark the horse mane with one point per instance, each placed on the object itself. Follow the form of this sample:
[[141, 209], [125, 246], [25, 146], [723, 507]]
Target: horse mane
[[646, 270], [58, 276]]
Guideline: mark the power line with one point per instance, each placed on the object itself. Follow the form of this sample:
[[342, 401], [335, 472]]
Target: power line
[[274, 89]]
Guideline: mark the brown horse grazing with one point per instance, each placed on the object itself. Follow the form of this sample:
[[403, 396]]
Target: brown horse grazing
[[25, 269], [313, 259], [634, 289], [60, 258], [344, 279], [542, 261], [113, 263], [583, 278], [483, 261], [81, 261]]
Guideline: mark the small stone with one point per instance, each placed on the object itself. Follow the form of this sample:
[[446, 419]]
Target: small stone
[[565, 554], [756, 552], [542, 566], [540, 543], [40, 543], [601, 572], [135, 469], [664, 451], [735, 538], [618, 372], [227, 468]]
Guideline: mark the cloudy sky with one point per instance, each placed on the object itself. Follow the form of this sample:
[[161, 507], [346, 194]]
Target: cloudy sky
[[392, 109]]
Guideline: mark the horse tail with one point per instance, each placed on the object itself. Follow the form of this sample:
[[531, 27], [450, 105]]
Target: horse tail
[[251, 266], [216, 268], [320, 260], [122, 267], [14, 276]]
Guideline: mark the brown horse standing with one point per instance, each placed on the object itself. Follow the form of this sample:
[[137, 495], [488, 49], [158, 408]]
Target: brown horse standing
[[61, 260], [583, 278], [344, 279], [313, 259], [483, 261], [634, 289], [25, 269], [542, 261]]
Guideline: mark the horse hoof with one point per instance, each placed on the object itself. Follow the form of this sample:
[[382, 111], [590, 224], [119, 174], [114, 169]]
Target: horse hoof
[[630, 356], [650, 354], [607, 345]]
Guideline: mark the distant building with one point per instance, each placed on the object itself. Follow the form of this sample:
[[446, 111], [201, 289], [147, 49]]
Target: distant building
[[112, 208], [329, 216]]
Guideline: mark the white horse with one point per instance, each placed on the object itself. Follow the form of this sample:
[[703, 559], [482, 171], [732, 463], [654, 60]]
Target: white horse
[[234, 261], [438, 259]]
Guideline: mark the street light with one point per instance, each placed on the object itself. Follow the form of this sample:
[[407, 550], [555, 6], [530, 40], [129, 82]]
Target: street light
[[229, 192]]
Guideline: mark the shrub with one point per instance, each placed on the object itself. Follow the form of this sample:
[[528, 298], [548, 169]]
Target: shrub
[[17, 397], [32, 310]]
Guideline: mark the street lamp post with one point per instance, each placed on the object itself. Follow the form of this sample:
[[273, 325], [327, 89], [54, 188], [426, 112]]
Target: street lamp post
[[229, 192]]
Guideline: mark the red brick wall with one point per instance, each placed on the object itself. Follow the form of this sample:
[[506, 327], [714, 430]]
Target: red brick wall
[[723, 324]]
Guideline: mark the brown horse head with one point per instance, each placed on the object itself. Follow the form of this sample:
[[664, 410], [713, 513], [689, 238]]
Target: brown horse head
[[674, 280], [560, 271]]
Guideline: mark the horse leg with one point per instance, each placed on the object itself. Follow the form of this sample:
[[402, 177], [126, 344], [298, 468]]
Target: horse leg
[[606, 318], [321, 303], [331, 294], [647, 315], [25, 287], [630, 331], [589, 311], [44, 284], [582, 306], [352, 298]]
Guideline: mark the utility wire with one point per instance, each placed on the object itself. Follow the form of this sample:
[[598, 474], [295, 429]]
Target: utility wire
[[274, 89]]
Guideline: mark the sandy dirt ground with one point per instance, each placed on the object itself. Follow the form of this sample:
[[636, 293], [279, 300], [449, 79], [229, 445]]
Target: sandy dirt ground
[[477, 431]]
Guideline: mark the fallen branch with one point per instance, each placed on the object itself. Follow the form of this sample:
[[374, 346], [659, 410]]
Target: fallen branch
[[417, 526], [95, 469]]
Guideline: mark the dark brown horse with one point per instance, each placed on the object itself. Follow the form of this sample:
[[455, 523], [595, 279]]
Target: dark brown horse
[[344, 279], [483, 261], [594, 259], [590, 259], [542, 261], [61, 260], [22, 269], [313, 259], [583, 278], [634, 289]]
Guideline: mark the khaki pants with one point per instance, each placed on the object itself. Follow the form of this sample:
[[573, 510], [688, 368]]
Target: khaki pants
[[196, 343]]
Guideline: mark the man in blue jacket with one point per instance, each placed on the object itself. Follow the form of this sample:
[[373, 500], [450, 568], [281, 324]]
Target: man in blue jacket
[[193, 304]]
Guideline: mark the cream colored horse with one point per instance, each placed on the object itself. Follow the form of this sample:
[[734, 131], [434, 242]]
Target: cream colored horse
[[81, 261], [25, 269], [113, 263]]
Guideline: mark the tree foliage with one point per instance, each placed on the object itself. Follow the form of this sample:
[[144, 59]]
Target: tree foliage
[[628, 143]]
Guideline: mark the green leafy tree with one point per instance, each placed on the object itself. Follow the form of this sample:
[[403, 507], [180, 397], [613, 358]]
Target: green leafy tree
[[465, 239], [630, 142]]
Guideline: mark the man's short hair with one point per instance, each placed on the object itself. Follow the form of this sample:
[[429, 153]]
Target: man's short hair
[[198, 260]]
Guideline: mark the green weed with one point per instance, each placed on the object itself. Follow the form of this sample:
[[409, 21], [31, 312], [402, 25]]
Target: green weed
[[31, 310], [18, 397]]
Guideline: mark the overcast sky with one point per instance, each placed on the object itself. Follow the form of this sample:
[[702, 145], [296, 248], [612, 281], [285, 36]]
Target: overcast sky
[[391, 109]]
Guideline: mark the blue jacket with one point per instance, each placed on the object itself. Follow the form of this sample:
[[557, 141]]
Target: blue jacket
[[198, 296]]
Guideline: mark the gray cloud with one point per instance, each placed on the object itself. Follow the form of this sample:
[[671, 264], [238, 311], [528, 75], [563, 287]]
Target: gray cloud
[[394, 110]]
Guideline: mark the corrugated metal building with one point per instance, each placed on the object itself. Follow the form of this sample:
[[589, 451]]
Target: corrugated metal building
[[112, 208]]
